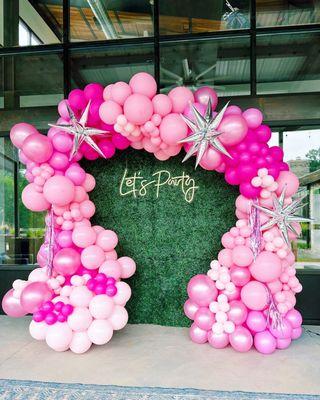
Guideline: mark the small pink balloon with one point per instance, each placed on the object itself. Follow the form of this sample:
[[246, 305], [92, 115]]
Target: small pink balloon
[[283, 343], [267, 267], [265, 342], [241, 339], [143, 83], [76, 174], [190, 308], [255, 295], [296, 333], [66, 261], [242, 256], [240, 276], [101, 306], [59, 336], [233, 294], [225, 257], [218, 340], [198, 335], [203, 94], [138, 109], [109, 112], [256, 321], [62, 142], [204, 318], [33, 295], [202, 290], [92, 257], [238, 312], [294, 317], [180, 97], [128, 267], [234, 130], [37, 148], [11, 305], [80, 342], [211, 159], [253, 117], [84, 236], [107, 240], [59, 190], [275, 286], [34, 200], [289, 181], [162, 104], [111, 268], [87, 208], [64, 239], [59, 161], [120, 91], [19, 132]]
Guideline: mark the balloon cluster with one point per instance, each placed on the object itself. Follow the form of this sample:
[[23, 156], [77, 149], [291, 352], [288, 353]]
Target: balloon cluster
[[247, 297]]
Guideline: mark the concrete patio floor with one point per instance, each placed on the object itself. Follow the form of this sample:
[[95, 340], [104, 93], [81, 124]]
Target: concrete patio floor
[[150, 355]]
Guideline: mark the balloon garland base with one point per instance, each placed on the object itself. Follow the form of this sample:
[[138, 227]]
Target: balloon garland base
[[77, 296]]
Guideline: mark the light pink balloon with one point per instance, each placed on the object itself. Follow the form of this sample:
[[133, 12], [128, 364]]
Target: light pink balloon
[[238, 312], [19, 132], [87, 208], [80, 194], [111, 255], [38, 275], [89, 183], [283, 343], [80, 296], [173, 129], [11, 305], [100, 331], [143, 83], [123, 293], [198, 335], [34, 200], [240, 276], [234, 130], [38, 330], [180, 97], [256, 321], [80, 342], [203, 94], [162, 104], [138, 109], [288, 180], [80, 319], [190, 308], [253, 117], [267, 267], [204, 318], [243, 204], [202, 290], [37, 147], [128, 267], [255, 295], [275, 286], [232, 295], [101, 306], [265, 342], [294, 317], [296, 333], [283, 331], [211, 159], [111, 268], [92, 257], [119, 318], [120, 91], [107, 240], [242, 256], [84, 236], [109, 112], [33, 295], [241, 339], [66, 261], [59, 336], [225, 257], [59, 190], [218, 340]]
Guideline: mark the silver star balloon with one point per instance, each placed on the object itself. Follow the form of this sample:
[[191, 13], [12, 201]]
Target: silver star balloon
[[80, 131], [205, 132], [283, 215]]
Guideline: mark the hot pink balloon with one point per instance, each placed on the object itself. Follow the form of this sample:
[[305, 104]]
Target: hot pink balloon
[[198, 335], [37, 147], [218, 340], [240, 276], [241, 339], [33, 295], [203, 94], [255, 295], [66, 261], [202, 290], [265, 342], [267, 267], [256, 321], [19, 132], [11, 305]]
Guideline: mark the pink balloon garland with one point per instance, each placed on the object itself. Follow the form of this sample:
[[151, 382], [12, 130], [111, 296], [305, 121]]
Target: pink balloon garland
[[247, 297]]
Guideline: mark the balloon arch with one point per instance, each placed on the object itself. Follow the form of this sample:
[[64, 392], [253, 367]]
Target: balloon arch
[[77, 296]]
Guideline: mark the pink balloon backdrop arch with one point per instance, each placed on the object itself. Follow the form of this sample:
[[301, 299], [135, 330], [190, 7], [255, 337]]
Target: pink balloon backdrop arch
[[77, 295]]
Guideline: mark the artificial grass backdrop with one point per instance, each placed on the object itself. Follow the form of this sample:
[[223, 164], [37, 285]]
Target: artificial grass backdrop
[[170, 239]]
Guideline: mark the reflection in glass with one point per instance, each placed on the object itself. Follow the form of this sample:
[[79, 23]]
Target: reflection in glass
[[103, 20], [112, 65], [223, 64], [287, 63], [180, 16], [289, 12]]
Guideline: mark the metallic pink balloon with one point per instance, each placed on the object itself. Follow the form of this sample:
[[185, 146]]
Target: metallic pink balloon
[[190, 308], [19, 132], [203, 94], [218, 340], [283, 331], [234, 128], [240, 276], [33, 295], [233, 295], [204, 318], [294, 317], [256, 321], [241, 339], [238, 312], [283, 343], [296, 333], [198, 335], [66, 261], [11, 306], [202, 290], [265, 342], [37, 147]]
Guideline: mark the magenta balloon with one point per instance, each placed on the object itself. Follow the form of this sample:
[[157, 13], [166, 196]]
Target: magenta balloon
[[37, 147], [255, 295], [241, 339], [204, 318], [33, 295], [234, 130], [190, 308], [218, 340], [231, 176], [249, 191], [19, 132], [11, 306], [283, 331], [256, 321], [198, 335], [66, 261], [267, 267], [263, 133], [294, 317], [238, 312], [240, 276], [265, 342], [202, 290], [203, 94]]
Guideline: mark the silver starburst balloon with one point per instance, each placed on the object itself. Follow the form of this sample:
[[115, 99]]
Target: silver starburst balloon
[[205, 132], [283, 215], [80, 131]]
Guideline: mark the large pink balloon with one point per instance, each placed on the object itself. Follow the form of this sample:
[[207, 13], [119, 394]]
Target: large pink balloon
[[238, 312], [138, 109], [11, 305], [180, 97], [59, 190], [34, 200], [59, 336], [66, 261], [173, 129], [33, 295], [255, 295], [267, 267], [37, 147], [265, 342], [241, 339], [234, 130], [143, 83], [19, 132], [202, 290], [218, 340]]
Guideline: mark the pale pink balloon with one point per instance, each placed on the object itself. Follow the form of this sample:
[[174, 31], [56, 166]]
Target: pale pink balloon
[[128, 267], [218, 340], [38, 275], [255, 295], [253, 117], [123, 293], [76, 174], [59, 336], [265, 342], [256, 321], [111, 268], [59, 190], [87, 208], [143, 83], [109, 112], [198, 335], [238, 312], [243, 204], [180, 97], [275, 286], [98, 229], [119, 318], [34, 200], [38, 330], [101, 306], [267, 267], [173, 129], [162, 104], [33, 295], [242, 256], [120, 91], [80, 342], [190, 308], [234, 130], [204, 93], [282, 331], [241, 339], [288, 180], [12, 306], [294, 317], [80, 319], [111, 255], [283, 343], [233, 110], [202, 290], [80, 296], [225, 257], [107, 92], [227, 241], [100, 331], [211, 159], [19, 132], [232, 295], [204, 318], [92, 257], [37, 148], [240, 276], [138, 109], [89, 183], [107, 240], [66, 261], [84, 236], [80, 194]]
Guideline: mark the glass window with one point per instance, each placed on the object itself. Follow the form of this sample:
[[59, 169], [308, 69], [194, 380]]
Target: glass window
[[104, 20], [293, 12], [287, 63], [223, 64], [188, 16], [28, 23], [110, 65], [21, 231]]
